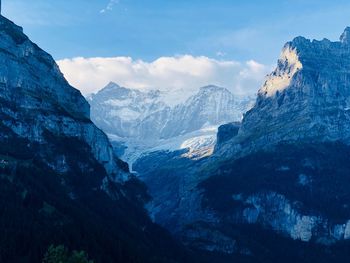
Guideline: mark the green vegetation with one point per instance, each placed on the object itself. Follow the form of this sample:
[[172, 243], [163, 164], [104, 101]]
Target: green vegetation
[[326, 166], [60, 254], [39, 207]]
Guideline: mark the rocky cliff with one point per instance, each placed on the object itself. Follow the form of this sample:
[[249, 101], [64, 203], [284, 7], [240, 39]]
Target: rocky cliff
[[60, 181], [36, 99], [306, 98]]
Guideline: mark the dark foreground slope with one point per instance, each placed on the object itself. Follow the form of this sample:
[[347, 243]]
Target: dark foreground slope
[[39, 207], [288, 204], [60, 182]]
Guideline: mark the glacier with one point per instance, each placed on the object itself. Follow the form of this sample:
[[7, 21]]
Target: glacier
[[144, 122]]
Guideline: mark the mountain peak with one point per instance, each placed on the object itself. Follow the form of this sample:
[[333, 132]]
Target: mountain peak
[[117, 90], [305, 98], [299, 41], [32, 84], [345, 37], [111, 85], [147, 115], [112, 88], [212, 88], [9, 28]]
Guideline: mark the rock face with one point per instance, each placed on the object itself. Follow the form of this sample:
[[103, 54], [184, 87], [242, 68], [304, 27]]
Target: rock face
[[227, 131], [36, 100], [299, 191], [310, 88]]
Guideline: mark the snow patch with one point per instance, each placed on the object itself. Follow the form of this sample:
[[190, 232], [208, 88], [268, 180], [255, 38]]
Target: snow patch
[[126, 114], [199, 144], [118, 103]]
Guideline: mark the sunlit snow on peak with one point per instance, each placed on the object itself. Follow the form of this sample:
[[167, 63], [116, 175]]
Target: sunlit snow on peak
[[288, 65]]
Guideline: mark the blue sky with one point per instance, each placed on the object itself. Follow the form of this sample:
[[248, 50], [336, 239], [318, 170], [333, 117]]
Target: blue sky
[[233, 43], [148, 29]]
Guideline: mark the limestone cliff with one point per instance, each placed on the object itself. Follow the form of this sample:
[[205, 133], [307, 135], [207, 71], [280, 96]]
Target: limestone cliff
[[36, 100], [306, 98]]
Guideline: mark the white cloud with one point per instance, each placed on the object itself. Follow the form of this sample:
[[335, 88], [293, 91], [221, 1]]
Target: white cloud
[[109, 6], [181, 73]]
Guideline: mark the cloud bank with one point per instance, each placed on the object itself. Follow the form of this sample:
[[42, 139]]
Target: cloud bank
[[181, 73]]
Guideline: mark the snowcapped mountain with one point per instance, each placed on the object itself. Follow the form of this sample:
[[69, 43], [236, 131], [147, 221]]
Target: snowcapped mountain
[[143, 120], [211, 106], [119, 111]]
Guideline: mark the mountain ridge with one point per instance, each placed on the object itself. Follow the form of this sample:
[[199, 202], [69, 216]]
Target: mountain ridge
[[156, 124], [60, 181], [309, 87]]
